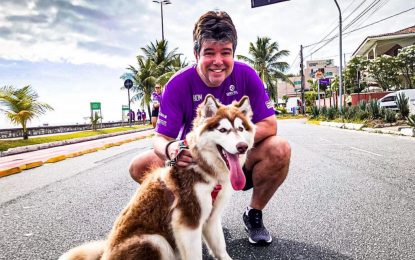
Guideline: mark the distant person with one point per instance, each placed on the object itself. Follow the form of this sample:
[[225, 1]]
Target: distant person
[[143, 116], [156, 100], [138, 115], [131, 116]]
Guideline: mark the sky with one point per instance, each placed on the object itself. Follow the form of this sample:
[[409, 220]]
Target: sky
[[73, 52]]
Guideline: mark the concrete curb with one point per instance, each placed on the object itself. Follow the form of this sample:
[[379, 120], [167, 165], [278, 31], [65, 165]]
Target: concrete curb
[[53, 159], [407, 131], [30, 148]]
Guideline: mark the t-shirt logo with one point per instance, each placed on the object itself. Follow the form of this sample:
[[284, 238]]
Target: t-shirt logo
[[232, 91], [197, 97]]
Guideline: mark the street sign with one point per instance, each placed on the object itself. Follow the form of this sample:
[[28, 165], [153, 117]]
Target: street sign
[[258, 3], [325, 81], [125, 108], [128, 83], [95, 105]]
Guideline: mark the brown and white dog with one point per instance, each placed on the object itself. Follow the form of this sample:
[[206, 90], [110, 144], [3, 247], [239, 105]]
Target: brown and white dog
[[172, 210]]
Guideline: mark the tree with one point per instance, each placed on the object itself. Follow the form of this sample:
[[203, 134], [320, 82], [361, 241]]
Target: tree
[[265, 60], [353, 74], [21, 105], [384, 70], [406, 62], [157, 65]]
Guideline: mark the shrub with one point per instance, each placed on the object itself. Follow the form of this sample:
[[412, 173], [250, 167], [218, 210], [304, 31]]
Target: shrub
[[389, 116], [315, 112], [361, 115], [323, 112], [331, 113], [411, 120], [403, 106], [373, 108], [362, 105]]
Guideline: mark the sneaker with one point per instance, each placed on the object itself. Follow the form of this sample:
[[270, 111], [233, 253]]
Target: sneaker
[[257, 233]]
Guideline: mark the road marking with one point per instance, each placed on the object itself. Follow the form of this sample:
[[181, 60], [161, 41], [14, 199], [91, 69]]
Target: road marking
[[365, 151]]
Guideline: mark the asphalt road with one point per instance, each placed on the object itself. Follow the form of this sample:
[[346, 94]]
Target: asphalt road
[[349, 195]]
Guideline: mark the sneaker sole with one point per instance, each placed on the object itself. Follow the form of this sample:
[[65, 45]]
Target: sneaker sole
[[260, 242]]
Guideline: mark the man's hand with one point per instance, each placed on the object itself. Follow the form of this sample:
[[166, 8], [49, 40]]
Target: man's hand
[[183, 157]]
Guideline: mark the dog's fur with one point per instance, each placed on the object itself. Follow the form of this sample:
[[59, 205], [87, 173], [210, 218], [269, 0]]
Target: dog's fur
[[172, 209]]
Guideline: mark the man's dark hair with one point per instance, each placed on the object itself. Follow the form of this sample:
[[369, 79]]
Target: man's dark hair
[[217, 26]]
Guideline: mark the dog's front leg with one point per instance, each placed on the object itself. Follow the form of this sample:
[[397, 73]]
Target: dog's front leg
[[214, 238], [189, 243], [212, 229]]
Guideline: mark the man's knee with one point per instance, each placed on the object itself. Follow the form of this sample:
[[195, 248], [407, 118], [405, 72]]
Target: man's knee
[[143, 163], [280, 151]]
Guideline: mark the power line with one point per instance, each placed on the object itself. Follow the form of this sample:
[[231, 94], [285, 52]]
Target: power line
[[346, 33]]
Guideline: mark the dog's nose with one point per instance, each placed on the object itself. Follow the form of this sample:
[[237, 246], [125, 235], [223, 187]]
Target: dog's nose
[[241, 147]]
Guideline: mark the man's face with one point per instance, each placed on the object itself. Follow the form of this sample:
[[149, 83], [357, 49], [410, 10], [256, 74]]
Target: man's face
[[215, 62], [158, 89]]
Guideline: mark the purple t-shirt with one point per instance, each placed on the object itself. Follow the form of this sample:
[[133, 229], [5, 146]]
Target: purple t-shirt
[[186, 90], [155, 98]]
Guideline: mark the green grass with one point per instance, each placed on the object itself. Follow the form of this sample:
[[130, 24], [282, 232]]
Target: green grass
[[6, 144], [290, 116]]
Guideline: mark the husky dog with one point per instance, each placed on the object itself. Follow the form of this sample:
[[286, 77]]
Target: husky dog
[[173, 209]]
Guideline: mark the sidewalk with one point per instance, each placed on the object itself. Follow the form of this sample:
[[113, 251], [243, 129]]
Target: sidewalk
[[23, 158]]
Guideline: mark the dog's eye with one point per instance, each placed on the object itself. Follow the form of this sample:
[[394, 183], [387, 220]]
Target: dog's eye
[[240, 129], [223, 130]]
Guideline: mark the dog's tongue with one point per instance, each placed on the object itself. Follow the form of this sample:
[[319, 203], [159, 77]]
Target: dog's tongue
[[237, 175]]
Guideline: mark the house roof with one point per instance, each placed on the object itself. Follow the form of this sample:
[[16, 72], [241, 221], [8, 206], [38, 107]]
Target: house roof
[[407, 32]]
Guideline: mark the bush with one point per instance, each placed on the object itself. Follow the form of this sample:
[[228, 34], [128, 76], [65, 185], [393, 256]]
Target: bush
[[331, 113], [323, 112], [389, 116], [373, 109], [411, 120], [362, 105], [315, 112], [403, 106]]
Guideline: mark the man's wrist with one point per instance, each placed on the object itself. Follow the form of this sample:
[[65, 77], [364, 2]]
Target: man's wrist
[[166, 150]]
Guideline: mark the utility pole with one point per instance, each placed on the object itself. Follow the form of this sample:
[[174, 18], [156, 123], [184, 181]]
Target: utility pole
[[340, 57], [302, 78]]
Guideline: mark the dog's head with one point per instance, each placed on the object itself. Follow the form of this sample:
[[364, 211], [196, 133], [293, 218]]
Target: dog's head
[[225, 133]]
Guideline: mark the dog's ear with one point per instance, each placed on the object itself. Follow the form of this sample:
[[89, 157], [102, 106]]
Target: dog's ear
[[245, 107], [210, 106]]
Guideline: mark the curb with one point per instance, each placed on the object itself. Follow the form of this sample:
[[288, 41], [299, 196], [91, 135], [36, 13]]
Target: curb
[[351, 126], [27, 166], [30, 148]]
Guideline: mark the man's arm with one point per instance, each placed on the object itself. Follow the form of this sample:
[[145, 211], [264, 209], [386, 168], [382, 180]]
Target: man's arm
[[265, 128]]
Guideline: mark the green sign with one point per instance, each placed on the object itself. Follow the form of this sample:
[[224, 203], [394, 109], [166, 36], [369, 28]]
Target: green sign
[[95, 105], [125, 108], [297, 82]]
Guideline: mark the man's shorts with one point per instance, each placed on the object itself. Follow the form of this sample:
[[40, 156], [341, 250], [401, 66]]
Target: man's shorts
[[248, 176], [155, 112]]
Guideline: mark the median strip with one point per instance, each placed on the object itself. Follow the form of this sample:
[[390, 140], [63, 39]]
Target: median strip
[[56, 159], [9, 171]]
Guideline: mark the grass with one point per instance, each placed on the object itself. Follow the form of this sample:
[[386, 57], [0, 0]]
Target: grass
[[7, 144], [290, 116]]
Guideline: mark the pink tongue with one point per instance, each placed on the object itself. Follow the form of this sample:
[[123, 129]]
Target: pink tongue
[[237, 175]]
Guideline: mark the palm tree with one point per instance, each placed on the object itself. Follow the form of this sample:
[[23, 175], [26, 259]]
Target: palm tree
[[21, 106], [265, 60], [157, 65]]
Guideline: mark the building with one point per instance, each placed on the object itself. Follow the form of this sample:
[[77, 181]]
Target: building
[[313, 70], [388, 43]]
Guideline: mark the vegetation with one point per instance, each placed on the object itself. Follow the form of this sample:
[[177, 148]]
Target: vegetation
[[403, 105], [21, 105], [6, 144], [265, 58], [157, 65]]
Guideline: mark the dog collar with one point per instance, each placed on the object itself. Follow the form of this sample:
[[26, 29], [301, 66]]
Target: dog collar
[[182, 146]]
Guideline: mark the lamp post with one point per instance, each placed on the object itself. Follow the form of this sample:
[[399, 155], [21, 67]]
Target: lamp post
[[341, 55], [162, 2]]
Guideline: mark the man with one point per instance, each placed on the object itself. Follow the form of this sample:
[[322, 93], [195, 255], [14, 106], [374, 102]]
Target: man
[[155, 99], [218, 74]]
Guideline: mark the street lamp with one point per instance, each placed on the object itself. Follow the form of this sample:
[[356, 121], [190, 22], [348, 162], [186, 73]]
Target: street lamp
[[341, 54], [162, 2]]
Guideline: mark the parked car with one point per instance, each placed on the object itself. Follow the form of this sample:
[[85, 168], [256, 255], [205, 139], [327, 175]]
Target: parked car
[[293, 105], [389, 101]]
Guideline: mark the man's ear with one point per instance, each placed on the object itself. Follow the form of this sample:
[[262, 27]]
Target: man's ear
[[210, 106], [245, 107]]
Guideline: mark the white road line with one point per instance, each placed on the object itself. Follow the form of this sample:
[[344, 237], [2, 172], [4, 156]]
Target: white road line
[[366, 151]]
